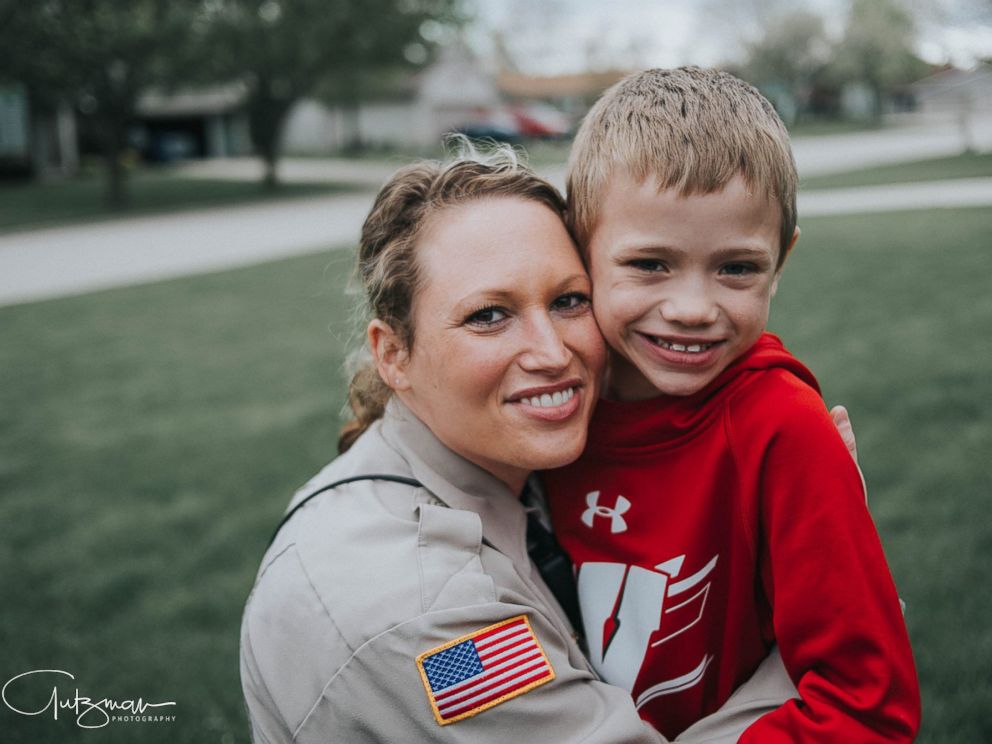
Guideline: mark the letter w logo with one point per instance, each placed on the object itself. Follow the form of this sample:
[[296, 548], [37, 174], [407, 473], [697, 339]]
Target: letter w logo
[[617, 522], [623, 607]]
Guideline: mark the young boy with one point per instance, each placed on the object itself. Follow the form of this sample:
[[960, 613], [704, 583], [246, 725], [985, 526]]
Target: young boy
[[716, 511]]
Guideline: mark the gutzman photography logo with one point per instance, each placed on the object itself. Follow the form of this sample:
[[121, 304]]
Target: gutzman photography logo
[[89, 713]]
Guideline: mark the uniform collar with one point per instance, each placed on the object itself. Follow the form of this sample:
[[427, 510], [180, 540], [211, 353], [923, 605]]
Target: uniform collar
[[457, 482]]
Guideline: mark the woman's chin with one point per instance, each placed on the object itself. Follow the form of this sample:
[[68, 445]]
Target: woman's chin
[[557, 453]]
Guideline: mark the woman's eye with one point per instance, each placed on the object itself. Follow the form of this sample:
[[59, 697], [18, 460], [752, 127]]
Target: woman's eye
[[648, 264], [487, 316], [571, 301]]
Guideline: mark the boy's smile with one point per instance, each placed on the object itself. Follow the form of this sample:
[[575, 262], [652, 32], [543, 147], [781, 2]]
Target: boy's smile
[[681, 285]]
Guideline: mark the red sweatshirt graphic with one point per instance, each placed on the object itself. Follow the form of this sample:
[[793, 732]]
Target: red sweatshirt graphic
[[706, 528]]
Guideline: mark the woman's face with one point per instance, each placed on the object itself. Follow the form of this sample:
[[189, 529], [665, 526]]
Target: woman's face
[[506, 356]]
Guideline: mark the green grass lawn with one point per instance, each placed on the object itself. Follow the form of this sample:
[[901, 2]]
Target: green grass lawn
[[892, 313], [151, 436], [33, 205], [936, 169]]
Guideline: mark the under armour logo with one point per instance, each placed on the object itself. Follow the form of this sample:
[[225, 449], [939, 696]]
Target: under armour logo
[[617, 522]]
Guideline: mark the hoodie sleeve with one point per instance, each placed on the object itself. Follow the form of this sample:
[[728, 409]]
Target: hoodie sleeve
[[835, 611]]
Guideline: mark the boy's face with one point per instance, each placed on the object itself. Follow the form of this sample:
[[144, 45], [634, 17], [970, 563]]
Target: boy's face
[[681, 285]]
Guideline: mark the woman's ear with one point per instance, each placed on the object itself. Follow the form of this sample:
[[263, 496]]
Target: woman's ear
[[389, 354]]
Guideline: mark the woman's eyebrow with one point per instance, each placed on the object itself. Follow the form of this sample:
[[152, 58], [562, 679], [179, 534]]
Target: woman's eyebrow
[[477, 296], [501, 295], [569, 281]]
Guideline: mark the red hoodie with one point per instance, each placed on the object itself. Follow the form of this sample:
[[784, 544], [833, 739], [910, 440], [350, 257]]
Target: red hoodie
[[706, 528]]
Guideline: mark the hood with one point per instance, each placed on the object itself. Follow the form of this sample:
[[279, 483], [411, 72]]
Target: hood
[[646, 423]]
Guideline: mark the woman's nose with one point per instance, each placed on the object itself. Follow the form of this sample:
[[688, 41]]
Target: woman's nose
[[544, 349]]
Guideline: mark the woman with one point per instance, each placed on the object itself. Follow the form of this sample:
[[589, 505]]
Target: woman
[[404, 607]]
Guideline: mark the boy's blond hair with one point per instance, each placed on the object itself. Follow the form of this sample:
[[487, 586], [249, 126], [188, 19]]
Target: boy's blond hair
[[693, 130]]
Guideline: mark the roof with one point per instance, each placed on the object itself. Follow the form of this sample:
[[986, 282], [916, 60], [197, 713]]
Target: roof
[[534, 86], [218, 99], [953, 76]]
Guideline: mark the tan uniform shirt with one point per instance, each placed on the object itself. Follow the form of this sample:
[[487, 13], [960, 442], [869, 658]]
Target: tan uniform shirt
[[370, 575]]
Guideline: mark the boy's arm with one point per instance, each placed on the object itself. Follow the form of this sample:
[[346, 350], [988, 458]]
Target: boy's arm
[[770, 686], [836, 616]]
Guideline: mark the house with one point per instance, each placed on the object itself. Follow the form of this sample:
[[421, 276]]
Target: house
[[412, 113], [571, 94], [205, 123], [953, 91], [35, 141], [963, 97], [451, 92], [456, 92]]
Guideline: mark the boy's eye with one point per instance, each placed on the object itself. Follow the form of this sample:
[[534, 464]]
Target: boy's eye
[[648, 264], [486, 316], [738, 269], [571, 301]]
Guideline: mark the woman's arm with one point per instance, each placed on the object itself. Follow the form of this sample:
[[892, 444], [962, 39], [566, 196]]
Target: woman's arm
[[767, 689], [379, 695], [303, 683]]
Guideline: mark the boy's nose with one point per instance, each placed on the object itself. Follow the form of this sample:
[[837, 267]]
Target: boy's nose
[[690, 309]]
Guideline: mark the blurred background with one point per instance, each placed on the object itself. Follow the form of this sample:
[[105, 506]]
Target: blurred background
[[182, 183]]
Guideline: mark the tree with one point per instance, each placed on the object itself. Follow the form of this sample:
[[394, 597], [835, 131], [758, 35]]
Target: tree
[[877, 49], [100, 55], [788, 58], [738, 24], [285, 49]]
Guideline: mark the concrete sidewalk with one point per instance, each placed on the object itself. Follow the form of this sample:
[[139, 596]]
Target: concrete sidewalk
[[57, 262], [894, 197]]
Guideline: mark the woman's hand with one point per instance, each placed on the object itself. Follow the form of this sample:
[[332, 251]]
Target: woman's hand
[[842, 420]]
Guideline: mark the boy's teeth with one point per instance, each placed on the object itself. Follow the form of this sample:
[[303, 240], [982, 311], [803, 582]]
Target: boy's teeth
[[688, 348], [550, 401]]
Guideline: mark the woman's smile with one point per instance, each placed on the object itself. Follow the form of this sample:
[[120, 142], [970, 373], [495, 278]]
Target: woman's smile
[[551, 402], [507, 356]]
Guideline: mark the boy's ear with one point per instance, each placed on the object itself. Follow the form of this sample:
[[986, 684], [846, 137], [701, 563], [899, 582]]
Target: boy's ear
[[389, 354], [791, 245], [788, 250]]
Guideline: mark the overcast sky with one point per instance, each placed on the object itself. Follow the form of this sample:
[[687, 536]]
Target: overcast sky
[[560, 36]]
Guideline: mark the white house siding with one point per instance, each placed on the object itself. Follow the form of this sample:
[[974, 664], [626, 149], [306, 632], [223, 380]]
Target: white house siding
[[452, 92], [312, 128], [405, 125], [956, 91]]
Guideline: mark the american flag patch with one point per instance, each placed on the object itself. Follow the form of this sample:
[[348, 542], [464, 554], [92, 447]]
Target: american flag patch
[[482, 669]]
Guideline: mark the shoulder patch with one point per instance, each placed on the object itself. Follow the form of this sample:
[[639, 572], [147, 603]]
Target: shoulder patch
[[466, 676]]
